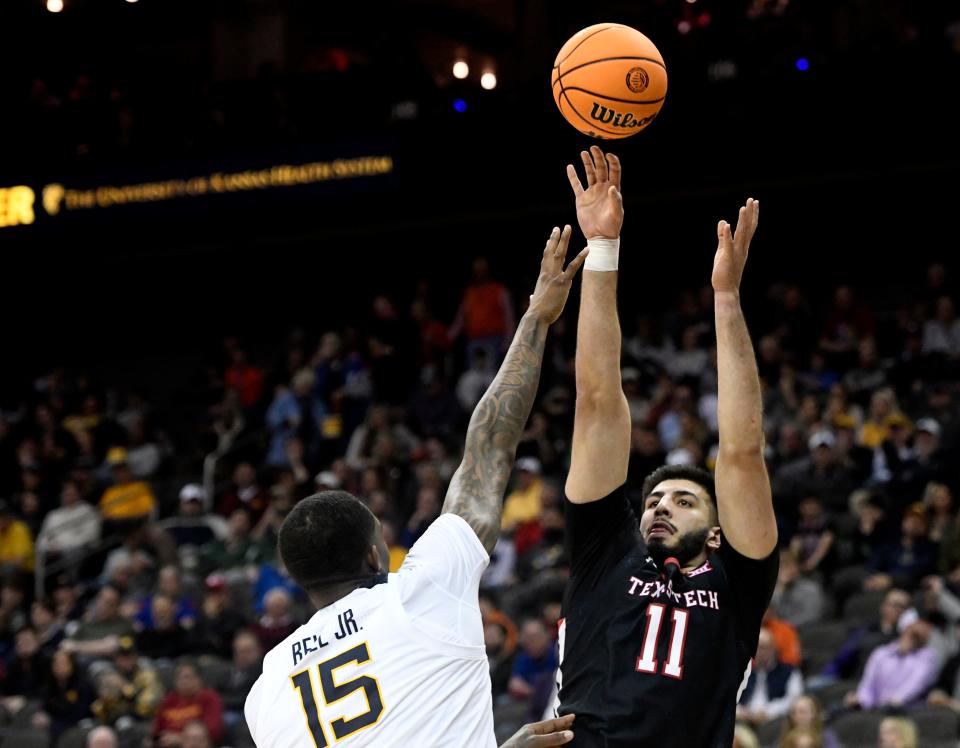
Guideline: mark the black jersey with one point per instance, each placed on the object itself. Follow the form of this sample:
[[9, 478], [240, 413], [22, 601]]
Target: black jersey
[[646, 662]]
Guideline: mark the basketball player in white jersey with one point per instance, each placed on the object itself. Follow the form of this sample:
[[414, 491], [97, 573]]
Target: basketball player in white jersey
[[399, 659]]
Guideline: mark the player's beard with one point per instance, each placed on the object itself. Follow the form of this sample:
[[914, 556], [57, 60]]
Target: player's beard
[[688, 547]]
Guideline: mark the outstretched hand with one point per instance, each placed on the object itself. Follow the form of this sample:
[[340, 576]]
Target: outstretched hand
[[600, 206], [550, 732], [732, 250], [553, 285]]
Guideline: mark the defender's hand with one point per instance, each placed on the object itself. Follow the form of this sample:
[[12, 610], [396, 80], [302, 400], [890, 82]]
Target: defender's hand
[[547, 733], [732, 251], [553, 285], [600, 206]]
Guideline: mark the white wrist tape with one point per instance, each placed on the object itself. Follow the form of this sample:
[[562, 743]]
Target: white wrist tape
[[604, 255]]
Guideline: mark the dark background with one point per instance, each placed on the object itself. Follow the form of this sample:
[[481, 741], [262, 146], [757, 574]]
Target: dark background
[[855, 160]]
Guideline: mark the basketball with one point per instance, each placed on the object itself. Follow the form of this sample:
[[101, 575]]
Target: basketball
[[609, 81]]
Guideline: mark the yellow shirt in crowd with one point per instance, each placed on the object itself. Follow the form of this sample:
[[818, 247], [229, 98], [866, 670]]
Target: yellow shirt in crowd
[[127, 501], [16, 545], [522, 506]]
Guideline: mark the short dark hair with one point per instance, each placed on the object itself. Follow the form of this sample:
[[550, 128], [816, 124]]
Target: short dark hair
[[324, 539], [701, 477]]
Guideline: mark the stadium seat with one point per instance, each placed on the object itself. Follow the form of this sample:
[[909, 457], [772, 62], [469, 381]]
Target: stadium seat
[[936, 724], [769, 732], [165, 672], [23, 739], [75, 737], [215, 671], [857, 729], [820, 642], [831, 697], [862, 608]]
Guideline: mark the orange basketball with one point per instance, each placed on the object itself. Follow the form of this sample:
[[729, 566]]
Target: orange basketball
[[609, 81]]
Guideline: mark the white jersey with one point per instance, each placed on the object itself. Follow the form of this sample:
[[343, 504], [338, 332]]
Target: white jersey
[[401, 663]]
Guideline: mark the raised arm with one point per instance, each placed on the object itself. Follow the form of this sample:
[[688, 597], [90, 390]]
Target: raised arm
[[601, 427], [743, 487], [476, 490]]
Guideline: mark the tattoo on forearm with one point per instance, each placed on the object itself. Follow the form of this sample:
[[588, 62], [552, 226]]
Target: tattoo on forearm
[[476, 490]]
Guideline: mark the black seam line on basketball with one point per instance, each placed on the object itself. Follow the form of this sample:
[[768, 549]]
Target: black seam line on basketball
[[608, 59], [613, 98], [563, 93], [605, 28], [593, 125]]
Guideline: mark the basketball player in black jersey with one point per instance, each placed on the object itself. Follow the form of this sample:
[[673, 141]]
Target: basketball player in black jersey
[[663, 608]]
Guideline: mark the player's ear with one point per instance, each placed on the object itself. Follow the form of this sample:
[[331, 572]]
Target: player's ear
[[714, 540], [373, 558]]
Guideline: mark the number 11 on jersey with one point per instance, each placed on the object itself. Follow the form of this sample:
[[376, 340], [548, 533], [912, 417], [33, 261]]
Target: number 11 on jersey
[[333, 692], [647, 662]]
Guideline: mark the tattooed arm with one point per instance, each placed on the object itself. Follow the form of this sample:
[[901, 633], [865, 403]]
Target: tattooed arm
[[476, 490]]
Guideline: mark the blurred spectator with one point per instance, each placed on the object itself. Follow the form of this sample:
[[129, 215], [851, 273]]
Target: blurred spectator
[[48, 625], [129, 688], [796, 599], [925, 462], [806, 714], [144, 454], [237, 552], [869, 374], [426, 511], [786, 640], [295, 412], [397, 552], [897, 732], [475, 380], [167, 638], [861, 642], [247, 665], [744, 737], [523, 503], [884, 412], [217, 621], [899, 673], [942, 333], [905, 563], [277, 622], [189, 701], [817, 474], [772, 687], [194, 527], [102, 737], [379, 424], [26, 672], [102, 626], [500, 636], [434, 338], [848, 321], [812, 543], [13, 612], [938, 500], [485, 314], [72, 528], [67, 697], [16, 543], [244, 378], [800, 737], [691, 358], [168, 584], [433, 408], [536, 661], [246, 494], [127, 500], [195, 735]]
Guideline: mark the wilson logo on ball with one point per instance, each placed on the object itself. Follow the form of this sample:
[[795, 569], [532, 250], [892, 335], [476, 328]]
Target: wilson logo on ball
[[637, 80], [611, 117]]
